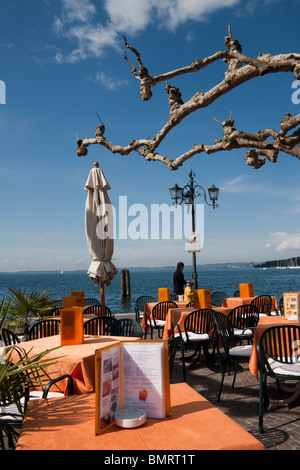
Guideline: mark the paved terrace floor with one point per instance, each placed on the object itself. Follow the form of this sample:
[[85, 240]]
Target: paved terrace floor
[[282, 426]]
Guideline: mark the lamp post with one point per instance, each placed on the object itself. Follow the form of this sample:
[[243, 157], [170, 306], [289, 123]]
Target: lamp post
[[187, 194]]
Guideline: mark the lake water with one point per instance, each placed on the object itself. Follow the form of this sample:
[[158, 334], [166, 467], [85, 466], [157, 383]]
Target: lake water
[[146, 282]]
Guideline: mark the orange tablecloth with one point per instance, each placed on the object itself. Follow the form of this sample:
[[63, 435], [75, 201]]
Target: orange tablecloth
[[263, 324], [178, 315], [232, 302], [78, 360], [149, 307], [68, 423]]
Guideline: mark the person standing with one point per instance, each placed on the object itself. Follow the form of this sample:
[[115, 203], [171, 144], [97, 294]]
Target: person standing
[[179, 281]]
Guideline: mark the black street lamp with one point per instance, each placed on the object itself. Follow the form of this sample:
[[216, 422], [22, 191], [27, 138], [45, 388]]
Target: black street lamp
[[187, 195]]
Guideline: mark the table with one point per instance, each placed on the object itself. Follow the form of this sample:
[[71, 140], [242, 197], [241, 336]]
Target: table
[[178, 315], [77, 360], [263, 324], [232, 302], [68, 423]]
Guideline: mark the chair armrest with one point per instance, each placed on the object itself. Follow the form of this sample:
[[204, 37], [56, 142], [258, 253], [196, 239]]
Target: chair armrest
[[58, 379]]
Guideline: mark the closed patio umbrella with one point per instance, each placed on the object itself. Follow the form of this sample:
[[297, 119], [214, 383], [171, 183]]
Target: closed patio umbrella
[[99, 230]]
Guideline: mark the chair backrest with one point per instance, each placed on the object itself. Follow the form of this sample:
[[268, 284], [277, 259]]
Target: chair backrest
[[190, 304], [199, 321], [44, 328], [8, 337], [55, 312], [223, 329], [97, 310], [173, 345], [263, 303], [236, 293], [244, 316], [58, 303], [91, 302], [160, 310], [217, 298], [96, 326], [140, 304], [280, 343], [124, 327]]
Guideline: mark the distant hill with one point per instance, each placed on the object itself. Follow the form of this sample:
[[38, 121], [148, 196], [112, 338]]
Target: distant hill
[[280, 263]]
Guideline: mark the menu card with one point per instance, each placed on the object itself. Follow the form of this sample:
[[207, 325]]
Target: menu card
[[291, 305], [131, 374]]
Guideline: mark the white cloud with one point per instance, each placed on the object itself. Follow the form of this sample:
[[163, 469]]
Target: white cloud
[[78, 21], [285, 241], [240, 185], [110, 83]]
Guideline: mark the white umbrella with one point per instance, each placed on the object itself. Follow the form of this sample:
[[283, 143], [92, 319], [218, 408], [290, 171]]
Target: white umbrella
[[99, 230]]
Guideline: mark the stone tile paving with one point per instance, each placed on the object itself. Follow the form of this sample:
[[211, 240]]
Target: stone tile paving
[[282, 426]]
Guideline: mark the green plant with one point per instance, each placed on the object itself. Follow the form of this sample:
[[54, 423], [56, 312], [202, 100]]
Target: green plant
[[16, 378], [24, 306]]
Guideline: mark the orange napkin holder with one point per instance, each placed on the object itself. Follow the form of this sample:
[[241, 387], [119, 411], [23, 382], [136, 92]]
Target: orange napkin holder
[[163, 294], [79, 298], [202, 298], [246, 290], [71, 325]]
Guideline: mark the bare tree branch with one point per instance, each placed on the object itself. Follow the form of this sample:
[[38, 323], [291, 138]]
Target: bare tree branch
[[262, 146]]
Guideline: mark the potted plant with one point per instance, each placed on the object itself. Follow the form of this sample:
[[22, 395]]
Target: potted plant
[[15, 381], [25, 307]]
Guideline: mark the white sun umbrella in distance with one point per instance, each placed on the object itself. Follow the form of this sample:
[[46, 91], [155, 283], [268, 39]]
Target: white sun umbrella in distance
[[99, 231]]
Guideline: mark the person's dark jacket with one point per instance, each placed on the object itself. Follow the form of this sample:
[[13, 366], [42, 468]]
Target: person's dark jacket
[[179, 282]]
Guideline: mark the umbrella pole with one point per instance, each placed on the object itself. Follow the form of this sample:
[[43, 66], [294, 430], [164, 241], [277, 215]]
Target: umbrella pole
[[102, 299]]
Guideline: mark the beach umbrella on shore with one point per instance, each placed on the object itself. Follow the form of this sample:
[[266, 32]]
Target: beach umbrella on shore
[[99, 231]]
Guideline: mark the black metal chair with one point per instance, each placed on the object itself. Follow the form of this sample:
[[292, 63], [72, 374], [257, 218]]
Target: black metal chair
[[96, 326], [264, 304], [173, 345], [8, 337], [44, 328], [224, 332], [91, 301], [58, 303], [124, 327], [217, 298], [244, 319], [140, 306], [236, 293], [55, 312], [157, 320], [190, 304], [198, 333], [97, 310], [12, 410], [279, 359], [280, 308]]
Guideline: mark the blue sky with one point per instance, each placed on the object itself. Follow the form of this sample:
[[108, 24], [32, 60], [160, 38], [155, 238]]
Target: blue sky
[[62, 62]]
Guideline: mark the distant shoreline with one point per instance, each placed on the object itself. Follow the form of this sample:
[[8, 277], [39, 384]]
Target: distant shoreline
[[141, 268]]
